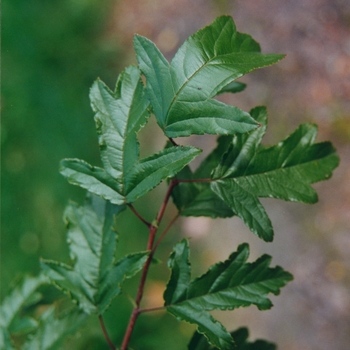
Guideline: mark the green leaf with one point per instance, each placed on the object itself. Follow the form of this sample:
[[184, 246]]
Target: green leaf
[[285, 171], [53, 331], [246, 205], [199, 342], [226, 286], [119, 115], [95, 279], [19, 297], [181, 92], [233, 88], [197, 198]]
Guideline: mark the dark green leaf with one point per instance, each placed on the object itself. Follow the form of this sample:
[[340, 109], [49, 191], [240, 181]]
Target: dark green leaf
[[119, 115], [197, 198], [227, 285], [199, 342], [95, 279], [285, 171], [233, 87], [181, 92], [53, 331], [246, 205]]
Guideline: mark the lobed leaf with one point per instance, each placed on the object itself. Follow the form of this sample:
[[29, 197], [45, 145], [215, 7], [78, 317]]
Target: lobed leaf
[[95, 279], [227, 285], [205, 65], [286, 171], [119, 115]]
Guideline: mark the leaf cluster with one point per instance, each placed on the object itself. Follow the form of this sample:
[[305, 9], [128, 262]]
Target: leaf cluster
[[229, 182]]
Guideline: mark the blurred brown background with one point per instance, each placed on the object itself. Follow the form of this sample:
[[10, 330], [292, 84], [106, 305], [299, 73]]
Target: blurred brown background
[[312, 84]]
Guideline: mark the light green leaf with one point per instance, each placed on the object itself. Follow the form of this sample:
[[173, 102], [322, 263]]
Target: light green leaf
[[119, 115], [226, 286], [181, 92], [19, 297], [240, 336], [53, 331], [95, 280]]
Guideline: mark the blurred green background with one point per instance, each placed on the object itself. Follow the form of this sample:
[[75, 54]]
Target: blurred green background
[[51, 54]]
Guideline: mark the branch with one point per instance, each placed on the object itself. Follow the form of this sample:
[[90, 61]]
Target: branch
[[165, 232], [152, 233], [104, 330], [148, 224]]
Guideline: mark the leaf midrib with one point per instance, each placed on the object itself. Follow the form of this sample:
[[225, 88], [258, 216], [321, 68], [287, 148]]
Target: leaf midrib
[[124, 135], [226, 289], [186, 82]]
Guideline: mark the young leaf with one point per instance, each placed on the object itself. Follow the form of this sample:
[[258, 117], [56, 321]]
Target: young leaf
[[181, 92], [95, 280], [53, 331], [226, 286], [19, 297], [285, 171], [240, 336], [119, 115]]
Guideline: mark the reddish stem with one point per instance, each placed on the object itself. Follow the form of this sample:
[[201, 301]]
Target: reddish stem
[[152, 233], [172, 141], [165, 232], [148, 224], [104, 330]]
